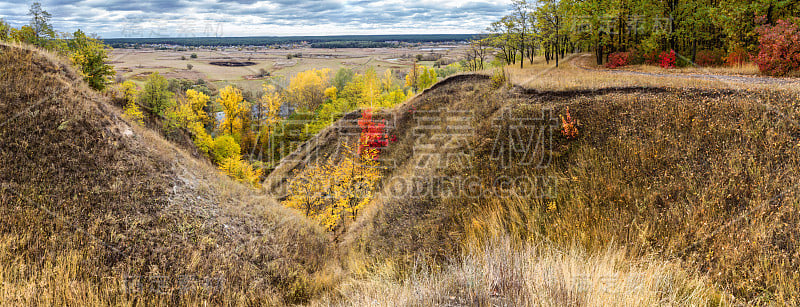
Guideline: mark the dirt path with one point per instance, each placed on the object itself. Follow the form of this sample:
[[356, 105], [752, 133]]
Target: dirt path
[[709, 77]]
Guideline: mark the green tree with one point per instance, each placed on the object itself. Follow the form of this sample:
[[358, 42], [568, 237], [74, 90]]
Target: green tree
[[343, 77], [156, 96], [503, 38], [521, 10], [5, 30], [40, 23], [90, 56]]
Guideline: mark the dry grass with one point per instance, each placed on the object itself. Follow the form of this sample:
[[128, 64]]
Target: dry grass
[[706, 176], [507, 273], [577, 73], [700, 175], [167, 62], [96, 211], [748, 69]]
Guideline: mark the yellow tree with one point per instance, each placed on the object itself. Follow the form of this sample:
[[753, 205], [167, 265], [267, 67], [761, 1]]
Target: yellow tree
[[371, 88], [421, 77], [194, 108], [269, 108], [392, 98], [271, 103], [131, 109], [233, 105], [333, 191], [307, 190], [307, 88], [331, 93], [388, 81], [411, 77], [354, 180], [198, 101]]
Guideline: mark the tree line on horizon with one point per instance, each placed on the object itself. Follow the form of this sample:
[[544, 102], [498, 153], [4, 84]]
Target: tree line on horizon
[[336, 41]]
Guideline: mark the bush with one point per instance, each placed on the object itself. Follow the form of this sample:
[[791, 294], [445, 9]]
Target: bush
[[635, 57], [618, 59], [224, 147], [682, 61], [780, 48], [202, 140], [132, 112], [648, 58], [241, 170], [499, 78], [707, 58], [667, 59], [737, 57], [373, 137], [569, 126], [194, 55]]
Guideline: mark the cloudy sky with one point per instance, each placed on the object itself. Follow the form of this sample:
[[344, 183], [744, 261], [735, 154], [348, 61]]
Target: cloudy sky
[[181, 18]]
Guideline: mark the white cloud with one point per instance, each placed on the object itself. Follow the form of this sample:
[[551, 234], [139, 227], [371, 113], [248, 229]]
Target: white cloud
[[126, 18]]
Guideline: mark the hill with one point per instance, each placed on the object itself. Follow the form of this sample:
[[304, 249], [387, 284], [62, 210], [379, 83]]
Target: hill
[[695, 175], [94, 210], [655, 191]]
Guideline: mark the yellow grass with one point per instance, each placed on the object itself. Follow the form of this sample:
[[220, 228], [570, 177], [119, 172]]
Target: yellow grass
[[576, 72], [507, 273]]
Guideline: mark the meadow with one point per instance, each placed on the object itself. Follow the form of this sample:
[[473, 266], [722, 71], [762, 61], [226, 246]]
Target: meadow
[[136, 64]]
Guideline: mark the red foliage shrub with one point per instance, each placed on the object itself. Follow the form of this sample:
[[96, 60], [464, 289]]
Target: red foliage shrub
[[373, 134], [618, 59], [569, 126], [667, 59], [780, 48], [708, 58]]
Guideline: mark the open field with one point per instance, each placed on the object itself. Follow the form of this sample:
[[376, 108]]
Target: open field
[[136, 64]]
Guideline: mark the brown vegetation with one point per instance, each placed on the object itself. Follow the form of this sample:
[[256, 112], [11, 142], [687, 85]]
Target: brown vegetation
[[700, 176], [96, 211]]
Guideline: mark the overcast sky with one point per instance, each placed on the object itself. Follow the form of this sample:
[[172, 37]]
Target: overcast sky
[[181, 18]]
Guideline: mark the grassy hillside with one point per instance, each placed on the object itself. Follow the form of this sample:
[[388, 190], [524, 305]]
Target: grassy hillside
[[697, 174], [668, 194], [96, 211]]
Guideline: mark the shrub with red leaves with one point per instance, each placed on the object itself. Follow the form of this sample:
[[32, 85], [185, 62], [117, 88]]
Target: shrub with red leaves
[[373, 134], [569, 126], [618, 59], [708, 58], [780, 48], [667, 59]]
